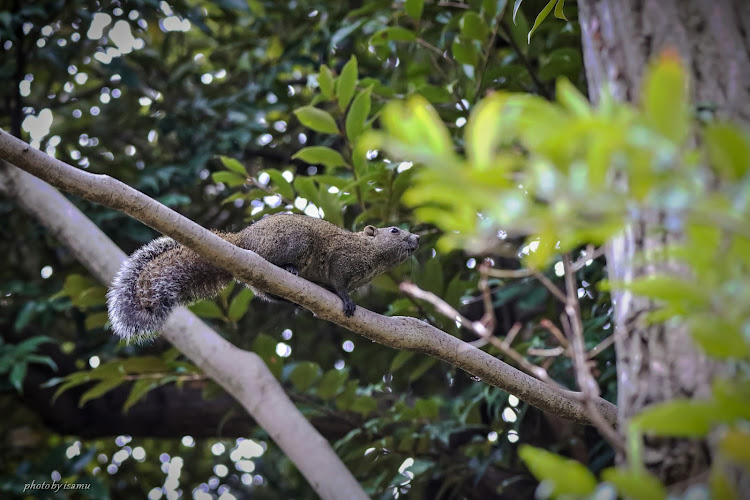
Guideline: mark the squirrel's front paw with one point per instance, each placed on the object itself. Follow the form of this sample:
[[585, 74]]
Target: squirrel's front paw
[[291, 268], [349, 307]]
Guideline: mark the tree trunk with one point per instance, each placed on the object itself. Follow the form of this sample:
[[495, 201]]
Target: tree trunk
[[659, 362]]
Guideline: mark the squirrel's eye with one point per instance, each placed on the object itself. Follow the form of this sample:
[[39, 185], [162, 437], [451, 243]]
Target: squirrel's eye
[[394, 230]]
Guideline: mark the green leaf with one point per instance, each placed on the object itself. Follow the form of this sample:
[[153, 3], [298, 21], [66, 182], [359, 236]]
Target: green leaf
[[332, 383], [325, 80], [516, 6], [265, 347], [320, 155], [46, 360], [717, 337], [317, 119], [364, 405], [17, 374], [304, 375], [665, 97], [676, 418], [464, 51], [347, 83], [637, 484], [392, 34], [95, 320], [400, 360], [567, 477], [306, 188], [670, 289], [428, 408], [569, 96], [483, 131], [414, 8], [735, 445], [283, 187], [418, 126], [540, 18], [425, 364], [29, 345], [239, 304], [231, 179], [234, 165], [206, 309], [559, 10], [473, 26], [103, 387], [72, 380], [143, 364], [728, 149], [357, 115], [431, 277], [140, 388]]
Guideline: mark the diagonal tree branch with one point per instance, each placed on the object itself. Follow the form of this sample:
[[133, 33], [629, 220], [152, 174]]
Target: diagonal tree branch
[[399, 332], [243, 374]]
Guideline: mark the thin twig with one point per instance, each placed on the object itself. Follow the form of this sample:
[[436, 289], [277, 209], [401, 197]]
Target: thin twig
[[524, 60], [510, 273], [586, 381], [486, 55], [595, 351], [550, 286], [479, 329], [554, 330], [547, 353], [488, 320], [590, 254]]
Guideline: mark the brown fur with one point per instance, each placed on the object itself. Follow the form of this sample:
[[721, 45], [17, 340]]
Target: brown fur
[[163, 274]]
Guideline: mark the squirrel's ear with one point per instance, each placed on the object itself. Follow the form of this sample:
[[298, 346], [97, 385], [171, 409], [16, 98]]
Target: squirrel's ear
[[370, 230]]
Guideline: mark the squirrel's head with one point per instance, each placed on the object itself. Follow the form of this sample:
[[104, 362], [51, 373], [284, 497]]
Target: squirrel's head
[[392, 241]]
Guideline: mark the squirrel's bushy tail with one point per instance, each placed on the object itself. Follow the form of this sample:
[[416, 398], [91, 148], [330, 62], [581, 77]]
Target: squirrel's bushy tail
[[129, 318]]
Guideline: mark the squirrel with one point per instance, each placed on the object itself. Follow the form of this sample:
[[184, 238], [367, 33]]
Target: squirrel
[[164, 274]]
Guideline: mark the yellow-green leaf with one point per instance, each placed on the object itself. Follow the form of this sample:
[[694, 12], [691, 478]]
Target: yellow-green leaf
[[100, 389], [566, 476], [559, 10], [233, 165], [392, 34], [283, 187], [140, 388], [728, 149], [473, 26], [240, 303], [676, 418], [665, 97], [635, 484], [320, 155], [304, 375], [357, 115], [347, 83], [317, 119], [231, 179], [414, 8], [325, 80], [541, 17]]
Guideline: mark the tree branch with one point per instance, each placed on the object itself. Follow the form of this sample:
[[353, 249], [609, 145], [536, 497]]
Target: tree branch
[[243, 374], [399, 332]]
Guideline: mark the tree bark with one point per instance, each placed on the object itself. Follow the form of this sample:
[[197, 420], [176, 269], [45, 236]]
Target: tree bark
[[659, 362]]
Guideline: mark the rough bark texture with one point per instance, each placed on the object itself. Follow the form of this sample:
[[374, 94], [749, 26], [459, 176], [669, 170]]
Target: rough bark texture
[[658, 362]]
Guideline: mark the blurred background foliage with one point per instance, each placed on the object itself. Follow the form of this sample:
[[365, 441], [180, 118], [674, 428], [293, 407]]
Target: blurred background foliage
[[226, 111]]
